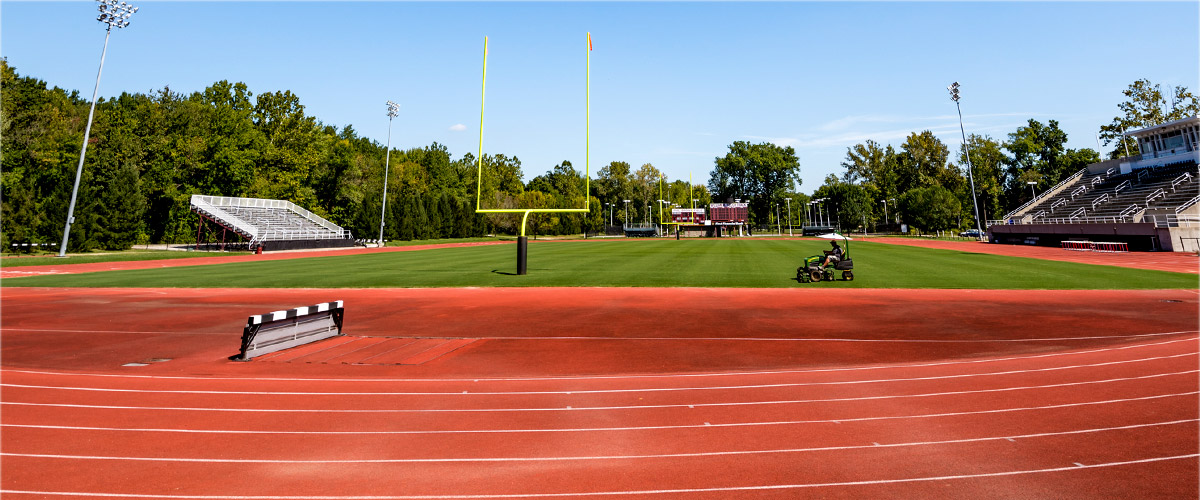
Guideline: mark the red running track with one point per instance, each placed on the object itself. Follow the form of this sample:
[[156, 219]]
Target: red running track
[[603, 393], [1179, 262]]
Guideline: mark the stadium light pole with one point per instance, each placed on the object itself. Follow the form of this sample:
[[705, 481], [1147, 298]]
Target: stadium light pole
[[626, 222], [114, 14], [953, 88], [1031, 189], [789, 202], [393, 110]]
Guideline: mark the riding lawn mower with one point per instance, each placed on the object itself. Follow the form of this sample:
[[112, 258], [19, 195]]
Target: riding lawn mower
[[812, 270]]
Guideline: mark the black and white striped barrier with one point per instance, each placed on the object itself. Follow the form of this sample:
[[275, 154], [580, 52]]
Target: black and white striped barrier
[[279, 330]]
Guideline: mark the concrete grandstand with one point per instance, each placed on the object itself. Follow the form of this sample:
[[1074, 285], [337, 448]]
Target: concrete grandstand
[[1148, 201], [269, 224]]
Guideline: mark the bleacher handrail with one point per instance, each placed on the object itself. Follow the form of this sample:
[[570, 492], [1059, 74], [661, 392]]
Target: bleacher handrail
[[1187, 204], [1130, 210], [1184, 177], [1172, 220], [1098, 200], [1124, 185], [1088, 220], [1077, 214], [1047, 193], [1160, 192]]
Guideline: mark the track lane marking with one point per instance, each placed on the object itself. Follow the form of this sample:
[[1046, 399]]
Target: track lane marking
[[658, 339], [608, 377], [605, 391], [740, 403], [585, 429], [1072, 467], [873, 445]]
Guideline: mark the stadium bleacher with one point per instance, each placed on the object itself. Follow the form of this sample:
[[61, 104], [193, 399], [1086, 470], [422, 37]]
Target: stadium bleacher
[[271, 224], [1152, 208]]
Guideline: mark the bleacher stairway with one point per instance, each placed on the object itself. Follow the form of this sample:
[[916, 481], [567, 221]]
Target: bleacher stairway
[[271, 224]]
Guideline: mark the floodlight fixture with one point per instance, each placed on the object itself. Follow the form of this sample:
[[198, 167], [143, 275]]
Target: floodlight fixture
[[112, 14], [953, 88]]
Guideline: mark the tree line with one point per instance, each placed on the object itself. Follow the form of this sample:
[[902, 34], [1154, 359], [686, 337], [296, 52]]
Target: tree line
[[148, 153]]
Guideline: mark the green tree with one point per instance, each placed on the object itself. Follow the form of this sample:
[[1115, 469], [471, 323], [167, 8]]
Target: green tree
[[760, 173], [932, 208], [1146, 105]]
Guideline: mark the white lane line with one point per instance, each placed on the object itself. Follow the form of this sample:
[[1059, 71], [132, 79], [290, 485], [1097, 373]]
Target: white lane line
[[873, 445], [615, 377], [1072, 467], [607, 391], [752, 403], [581, 429], [658, 339]]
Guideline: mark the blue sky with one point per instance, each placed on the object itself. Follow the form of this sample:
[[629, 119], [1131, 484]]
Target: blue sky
[[673, 83]]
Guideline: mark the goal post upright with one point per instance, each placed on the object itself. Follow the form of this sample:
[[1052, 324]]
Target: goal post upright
[[522, 241]]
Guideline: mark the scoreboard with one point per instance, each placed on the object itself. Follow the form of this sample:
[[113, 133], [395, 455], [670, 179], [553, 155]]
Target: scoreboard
[[729, 212], [687, 215]]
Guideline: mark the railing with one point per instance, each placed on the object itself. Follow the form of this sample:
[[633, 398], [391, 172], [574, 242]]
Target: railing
[[1060, 202], [1158, 193], [1096, 180], [1142, 174], [1041, 213], [1077, 214], [1172, 220], [1109, 172], [1130, 210], [1049, 192], [1078, 191], [1087, 220], [1188, 204], [1122, 186], [1099, 199], [1186, 177]]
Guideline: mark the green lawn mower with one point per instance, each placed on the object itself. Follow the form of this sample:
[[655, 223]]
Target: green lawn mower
[[812, 270]]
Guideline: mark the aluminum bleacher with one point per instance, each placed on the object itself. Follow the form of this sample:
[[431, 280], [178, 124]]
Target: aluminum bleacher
[[271, 224], [1140, 207]]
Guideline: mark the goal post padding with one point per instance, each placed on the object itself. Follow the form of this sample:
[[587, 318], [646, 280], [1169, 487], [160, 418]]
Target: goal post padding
[[279, 330]]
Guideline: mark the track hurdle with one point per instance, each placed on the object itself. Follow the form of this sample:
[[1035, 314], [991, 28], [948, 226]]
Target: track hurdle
[[279, 330], [1082, 246], [1110, 247]]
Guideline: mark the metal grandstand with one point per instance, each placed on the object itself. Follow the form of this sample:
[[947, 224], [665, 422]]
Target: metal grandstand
[[269, 224]]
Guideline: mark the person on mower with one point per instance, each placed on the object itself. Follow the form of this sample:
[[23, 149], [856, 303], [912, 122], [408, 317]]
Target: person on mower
[[834, 256]]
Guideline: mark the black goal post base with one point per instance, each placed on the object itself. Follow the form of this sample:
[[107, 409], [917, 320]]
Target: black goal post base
[[522, 254]]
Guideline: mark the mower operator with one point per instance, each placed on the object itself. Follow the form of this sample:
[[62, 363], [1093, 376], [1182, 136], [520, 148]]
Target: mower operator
[[834, 256]]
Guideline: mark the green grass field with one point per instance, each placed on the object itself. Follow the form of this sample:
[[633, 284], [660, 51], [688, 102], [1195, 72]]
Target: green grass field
[[637, 263]]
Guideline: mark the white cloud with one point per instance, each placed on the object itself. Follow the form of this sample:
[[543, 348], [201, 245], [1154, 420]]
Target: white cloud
[[458, 127]]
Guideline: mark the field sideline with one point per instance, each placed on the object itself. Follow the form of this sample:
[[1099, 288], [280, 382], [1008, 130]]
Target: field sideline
[[724, 263]]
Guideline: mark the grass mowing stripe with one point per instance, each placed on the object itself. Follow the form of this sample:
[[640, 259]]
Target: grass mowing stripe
[[638, 263]]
